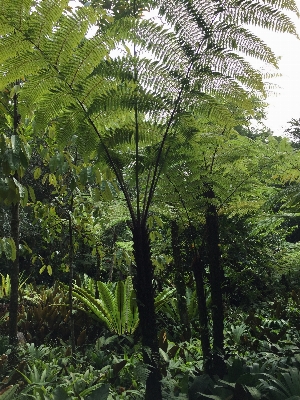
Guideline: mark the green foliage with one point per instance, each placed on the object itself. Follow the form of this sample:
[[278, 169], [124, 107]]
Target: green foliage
[[9, 392], [117, 307], [286, 386], [7, 245], [111, 114], [44, 316]]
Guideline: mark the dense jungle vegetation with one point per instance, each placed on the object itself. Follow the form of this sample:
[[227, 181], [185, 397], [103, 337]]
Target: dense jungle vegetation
[[150, 221]]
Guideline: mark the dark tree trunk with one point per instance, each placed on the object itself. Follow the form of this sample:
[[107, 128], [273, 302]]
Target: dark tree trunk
[[14, 270], [180, 283], [14, 277], [216, 279], [145, 299], [71, 277], [198, 269]]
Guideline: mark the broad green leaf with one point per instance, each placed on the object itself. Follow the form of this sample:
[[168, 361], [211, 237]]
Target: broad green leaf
[[52, 180], [42, 269], [15, 144], [37, 173], [24, 160], [9, 248], [98, 175], [32, 194], [24, 199], [106, 192], [20, 187], [15, 90], [26, 149]]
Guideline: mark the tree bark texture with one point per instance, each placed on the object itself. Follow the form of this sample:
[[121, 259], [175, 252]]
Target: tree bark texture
[[145, 300], [216, 279], [180, 282], [198, 269]]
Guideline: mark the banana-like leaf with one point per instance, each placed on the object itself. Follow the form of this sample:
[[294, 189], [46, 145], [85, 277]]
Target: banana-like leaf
[[120, 307], [94, 305], [109, 302]]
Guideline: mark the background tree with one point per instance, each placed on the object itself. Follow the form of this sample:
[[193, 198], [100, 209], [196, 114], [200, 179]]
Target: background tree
[[15, 155]]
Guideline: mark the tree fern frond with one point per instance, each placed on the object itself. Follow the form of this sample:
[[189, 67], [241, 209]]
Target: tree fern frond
[[14, 14], [51, 106], [73, 126], [70, 32], [25, 64], [196, 16], [42, 20], [241, 39], [35, 88], [228, 64], [220, 88], [259, 14], [12, 45], [289, 5], [85, 59]]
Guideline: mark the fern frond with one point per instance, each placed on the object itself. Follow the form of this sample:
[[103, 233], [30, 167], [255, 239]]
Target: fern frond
[[12, 45], [41, 21], [67, 37], [85, 59], [13, 15], [260, 14], [289, 5], [23, 65], [239, 38]]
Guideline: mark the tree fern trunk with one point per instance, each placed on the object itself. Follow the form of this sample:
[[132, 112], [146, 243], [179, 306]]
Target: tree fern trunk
[[216, 278], [14, 270], [180, 282], [198, 268], [145, 299], [14, 277]]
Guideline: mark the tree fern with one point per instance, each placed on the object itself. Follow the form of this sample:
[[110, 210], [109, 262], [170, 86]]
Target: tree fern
[[189, 69]]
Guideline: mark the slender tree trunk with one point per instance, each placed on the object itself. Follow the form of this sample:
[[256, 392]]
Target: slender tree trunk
[[216, 279], [14, 277], [198, 269], [145, 299], [180, 283], [71, 277], [14, 270]]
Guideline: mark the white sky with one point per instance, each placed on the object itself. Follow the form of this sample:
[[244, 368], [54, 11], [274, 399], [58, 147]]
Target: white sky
[[285, 104]]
